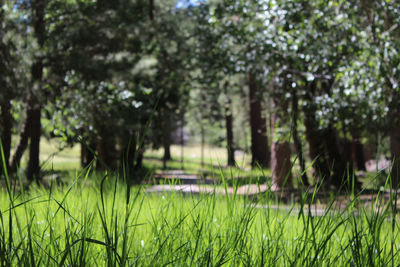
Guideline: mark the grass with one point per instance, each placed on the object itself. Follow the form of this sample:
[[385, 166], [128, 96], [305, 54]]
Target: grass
[[109, 224], [214, 165], [54, 155], [102, 221]]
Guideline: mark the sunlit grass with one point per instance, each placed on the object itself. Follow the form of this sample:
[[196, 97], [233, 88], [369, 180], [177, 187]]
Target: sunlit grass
[[54, 155], [100, 220], [104, 224]]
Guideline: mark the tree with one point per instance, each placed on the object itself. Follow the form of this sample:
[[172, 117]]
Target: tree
[[6, 84], [382, 20]]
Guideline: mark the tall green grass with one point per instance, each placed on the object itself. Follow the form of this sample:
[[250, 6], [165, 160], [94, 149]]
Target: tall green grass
[[103, 221], [111, 224]]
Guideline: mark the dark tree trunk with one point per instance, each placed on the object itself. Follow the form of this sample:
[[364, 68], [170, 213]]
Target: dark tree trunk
[[139, 158], [166, 137], [340, 164], [23, 136], [105, 148], [87, 155], [182, 137], [358, 151], [131, 157], [329, 163], [5, 105], [280, 148], [258, 127], [280, 159], [6, 121], [394, 135], [297, 141], [314, 137], [84, 153], [280, 165], [202, 133], [38, 8], [395, 153], [127, 155], [151, 10], [229, 132], [34, 146]]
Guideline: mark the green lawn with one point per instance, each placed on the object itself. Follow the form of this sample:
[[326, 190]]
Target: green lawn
[[95, 225], [54, 155], [95, 222], [214, 164]]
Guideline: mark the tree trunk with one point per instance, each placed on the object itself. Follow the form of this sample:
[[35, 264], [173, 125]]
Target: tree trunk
[[84, 153], [87, 155], [166, 138], [105, 148], [280, 157], [358, 151], [34, 146], [297, 141], [182, 138], [259, 141], [139, 159], [340, 164], [280, 165], [202, 133], [280, 148], [229, 132], [314, 137], [127, 155], [151, 10], [394, 135], [23, 136], [38, 8], [6, 121]]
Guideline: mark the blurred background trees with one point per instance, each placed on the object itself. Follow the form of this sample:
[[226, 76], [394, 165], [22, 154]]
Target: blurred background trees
[[291, 82]]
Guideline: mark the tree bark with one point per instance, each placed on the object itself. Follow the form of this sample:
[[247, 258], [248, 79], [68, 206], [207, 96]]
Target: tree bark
[[394, 135], [314, 137], [280, 158], [34, 146], [127, 155], [38, 14], [297, 141], [229, 132], [395, 153], [5, 105], [202, 133], [280, 165], [6, 135], [330, 165], [340, 164], [151, 10], [182, 138], [105, 148], [87, 156], [84, 153], [166, 138], [23, 136], [358, 151], [258, 127]]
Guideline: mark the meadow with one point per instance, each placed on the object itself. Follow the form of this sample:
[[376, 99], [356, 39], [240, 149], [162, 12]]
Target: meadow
[[100, 220]]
